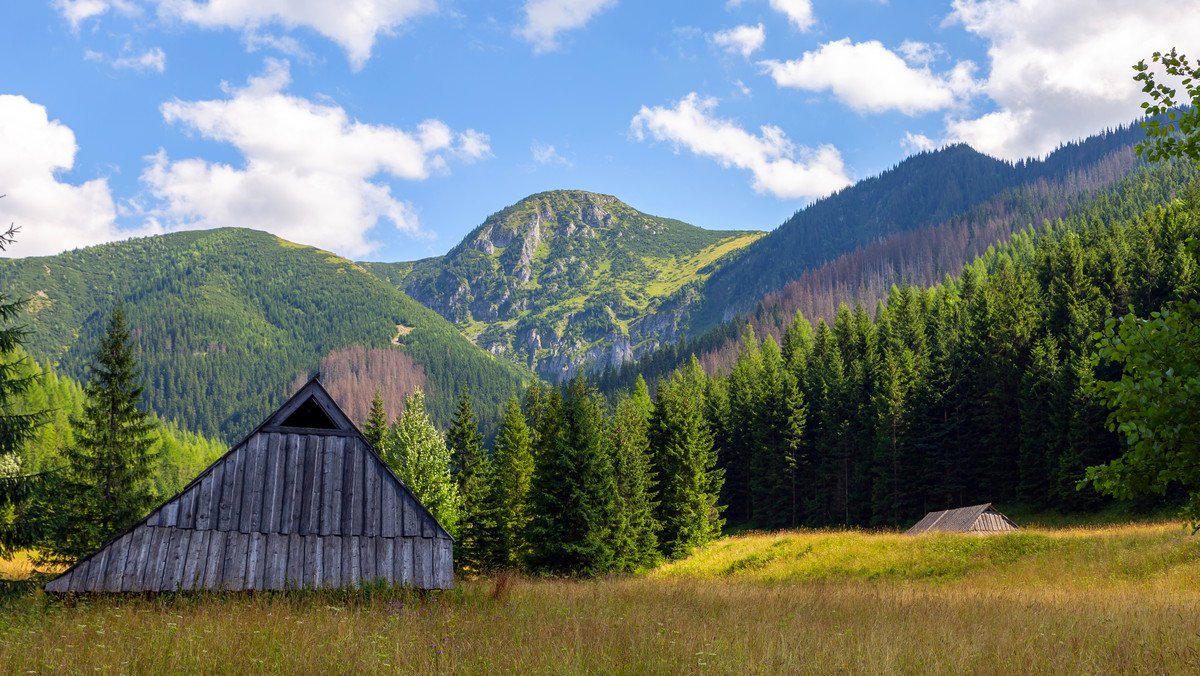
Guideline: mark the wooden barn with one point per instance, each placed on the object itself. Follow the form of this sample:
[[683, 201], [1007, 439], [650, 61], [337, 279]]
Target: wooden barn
[[976, 519], [303, 502]]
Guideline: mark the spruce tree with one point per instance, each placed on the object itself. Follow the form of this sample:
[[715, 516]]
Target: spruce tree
[[574, 492], [471, 470], [112, 462], [629, 440], [508, 494], [689, 480], [377, 423], [416, 451]]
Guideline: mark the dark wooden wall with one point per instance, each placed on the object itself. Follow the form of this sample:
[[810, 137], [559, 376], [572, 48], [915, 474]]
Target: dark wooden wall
[[281, 510]]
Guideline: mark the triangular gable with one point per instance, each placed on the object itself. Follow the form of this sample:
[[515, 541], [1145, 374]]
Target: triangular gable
[[311, 403], [962, 519], [287, 507]]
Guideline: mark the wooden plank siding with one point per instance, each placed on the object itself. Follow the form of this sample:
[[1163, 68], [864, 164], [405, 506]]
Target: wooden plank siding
[[285, 508]]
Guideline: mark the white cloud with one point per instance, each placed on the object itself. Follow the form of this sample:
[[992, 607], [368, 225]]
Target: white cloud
[[869, 78], [798, 12], [52, 215], [353, 24], [77, 11], [1061, 70], [310, 171], [744, 40], [154, 59], [545, 19], [545, 153], [920, 54], [916, 143], [780, 167]]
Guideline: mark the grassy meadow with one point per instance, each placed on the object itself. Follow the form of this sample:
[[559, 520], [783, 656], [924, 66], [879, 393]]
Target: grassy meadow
[[1087, 600]]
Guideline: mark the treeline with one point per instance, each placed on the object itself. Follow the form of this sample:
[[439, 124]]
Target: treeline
[[973, 391]]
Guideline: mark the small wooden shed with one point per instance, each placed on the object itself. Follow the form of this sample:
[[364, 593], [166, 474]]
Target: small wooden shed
[[976, 519], [303, 502]]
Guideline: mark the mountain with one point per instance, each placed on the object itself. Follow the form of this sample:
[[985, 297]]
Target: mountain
[[923, 191], [227, 320], [567, 281]]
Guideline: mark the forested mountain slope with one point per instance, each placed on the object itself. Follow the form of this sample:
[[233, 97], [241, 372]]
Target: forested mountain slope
[[563, 281], [225, 320], [921, 192]]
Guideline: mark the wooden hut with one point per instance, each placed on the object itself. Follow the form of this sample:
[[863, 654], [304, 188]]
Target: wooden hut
[[976, 519], [303, 502]]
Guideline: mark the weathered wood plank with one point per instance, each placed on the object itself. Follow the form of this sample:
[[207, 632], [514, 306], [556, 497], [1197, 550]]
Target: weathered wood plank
[[310, 480], [169, 514], [314, 570], [273, 492], [348, 461], [358, 501], [404, 561], [215, 562], [135, 559], [293, 475], [347, 561], [233, 570], [333, 508], [228, 497], [173, 574], [295, 563], [78, 576], [245, 459], [194, 559], [153, 518], [412, 519], [332, 560], [422, 561], [371, 515], [114, 570], [367, 559], [187, 508], [60, 584], [156, 559], [261, 475], [428, 526], [254, 561], [208, 511], [95, 576], [389, 526], [251, 483], [354, 542], [385, 559], [324, 514], [444, 563], [275, 564]]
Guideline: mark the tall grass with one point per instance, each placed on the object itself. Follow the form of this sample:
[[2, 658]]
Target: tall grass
[[1115, 600]]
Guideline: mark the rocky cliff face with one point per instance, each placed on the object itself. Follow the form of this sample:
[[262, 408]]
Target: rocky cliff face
[[569, 281]]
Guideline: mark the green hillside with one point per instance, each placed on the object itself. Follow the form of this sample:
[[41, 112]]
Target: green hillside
[[562, 281], [226, 320]]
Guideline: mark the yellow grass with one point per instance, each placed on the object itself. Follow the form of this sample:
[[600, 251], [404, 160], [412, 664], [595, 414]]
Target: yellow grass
[[1115, 600]]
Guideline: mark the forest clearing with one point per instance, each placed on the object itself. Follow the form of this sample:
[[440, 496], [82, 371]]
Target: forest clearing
[[1100, 599]]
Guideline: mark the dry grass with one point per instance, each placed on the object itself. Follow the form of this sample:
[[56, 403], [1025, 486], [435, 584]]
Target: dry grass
[[1116, 600]]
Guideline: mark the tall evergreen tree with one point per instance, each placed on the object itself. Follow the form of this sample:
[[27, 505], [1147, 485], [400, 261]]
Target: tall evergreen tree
[[508, 494], [628, 438], [471, 469], [111, 465], [574, 491], [416, 451], [689, 480], [377, 423]]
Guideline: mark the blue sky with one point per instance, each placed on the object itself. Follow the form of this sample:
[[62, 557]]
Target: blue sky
[[388, 129]]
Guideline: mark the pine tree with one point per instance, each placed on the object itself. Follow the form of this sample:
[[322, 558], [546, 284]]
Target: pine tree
[[628, 438], [416, 451], [111, 465], [508, 494], [471, 469], [689, 480], [377, 423], [574, 492]]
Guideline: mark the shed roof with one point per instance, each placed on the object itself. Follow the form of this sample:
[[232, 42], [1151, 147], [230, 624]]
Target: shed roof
[[977, 518], [303, 501]]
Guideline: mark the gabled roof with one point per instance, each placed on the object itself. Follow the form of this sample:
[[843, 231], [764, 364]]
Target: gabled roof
[[302, 501], [977, 518]]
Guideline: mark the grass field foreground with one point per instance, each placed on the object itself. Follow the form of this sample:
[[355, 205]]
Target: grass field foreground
[[1098, 600]]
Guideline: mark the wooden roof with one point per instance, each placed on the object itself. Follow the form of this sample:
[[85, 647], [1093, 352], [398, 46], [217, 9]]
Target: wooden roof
[[302, 502], [974, 519]]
